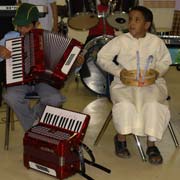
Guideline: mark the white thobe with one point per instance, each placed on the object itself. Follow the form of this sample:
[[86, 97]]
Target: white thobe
[[137, 110]]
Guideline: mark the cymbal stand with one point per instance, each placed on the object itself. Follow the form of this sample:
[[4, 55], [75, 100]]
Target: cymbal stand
[[62, 26], [104, 23], [84, 7], [104, 15], [69, 8]]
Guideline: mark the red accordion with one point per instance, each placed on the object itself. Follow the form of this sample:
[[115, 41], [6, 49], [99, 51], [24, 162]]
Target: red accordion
[[51, 146], [41, 56]]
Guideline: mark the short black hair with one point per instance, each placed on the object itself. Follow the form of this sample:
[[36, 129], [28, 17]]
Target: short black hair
[[147, 13]]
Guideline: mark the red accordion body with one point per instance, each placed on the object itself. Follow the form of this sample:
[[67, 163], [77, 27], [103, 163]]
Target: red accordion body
[[51, 146], [41, 56]]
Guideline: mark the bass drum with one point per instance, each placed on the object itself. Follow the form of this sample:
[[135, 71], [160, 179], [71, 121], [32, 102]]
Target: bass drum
[[92, 76]]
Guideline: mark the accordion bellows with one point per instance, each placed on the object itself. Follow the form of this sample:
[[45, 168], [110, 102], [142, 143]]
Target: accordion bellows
[[129, 78]]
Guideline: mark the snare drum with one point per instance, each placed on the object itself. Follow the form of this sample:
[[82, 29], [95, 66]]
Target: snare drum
[[82, 14], [97, 80], [129, 77]]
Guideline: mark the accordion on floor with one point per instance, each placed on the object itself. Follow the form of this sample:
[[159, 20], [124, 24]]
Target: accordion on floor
[[51, 146], [41, 56]]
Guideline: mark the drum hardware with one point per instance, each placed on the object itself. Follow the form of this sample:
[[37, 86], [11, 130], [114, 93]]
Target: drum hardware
[[62, 27], [104, 22], [69, 8], [92, 6], [122, 5], [62, 11], [102, 14]]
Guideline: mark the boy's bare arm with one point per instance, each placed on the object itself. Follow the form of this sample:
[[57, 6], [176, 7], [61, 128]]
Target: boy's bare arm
[[55, 16], [4, 52]]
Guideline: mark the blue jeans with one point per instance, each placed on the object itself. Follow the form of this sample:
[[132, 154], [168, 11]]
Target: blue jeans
[[14, 97]]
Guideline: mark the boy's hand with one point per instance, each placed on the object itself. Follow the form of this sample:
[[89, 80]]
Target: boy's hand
[[140, 82], [4, 52], [156, 73], [122, 72], [79, 60]]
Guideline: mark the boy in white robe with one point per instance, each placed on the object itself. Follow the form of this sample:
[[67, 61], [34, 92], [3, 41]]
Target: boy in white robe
[[139, 110]]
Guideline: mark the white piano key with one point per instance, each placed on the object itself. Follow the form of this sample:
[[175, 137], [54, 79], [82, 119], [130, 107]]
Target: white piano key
[[59, 121], [69, 124], [66, 123], [56, 118], [53, 119], [50, 118]]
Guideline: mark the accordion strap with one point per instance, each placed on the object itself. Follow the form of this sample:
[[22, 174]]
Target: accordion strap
[[82, 171], [90, 162]]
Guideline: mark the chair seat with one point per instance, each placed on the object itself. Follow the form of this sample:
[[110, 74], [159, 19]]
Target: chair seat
[[32, 95]]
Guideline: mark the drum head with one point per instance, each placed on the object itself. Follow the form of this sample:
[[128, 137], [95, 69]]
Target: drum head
[[83, 21], [118, 20], [96, 79]]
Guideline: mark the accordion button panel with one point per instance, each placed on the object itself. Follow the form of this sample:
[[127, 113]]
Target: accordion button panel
[[70, 60]]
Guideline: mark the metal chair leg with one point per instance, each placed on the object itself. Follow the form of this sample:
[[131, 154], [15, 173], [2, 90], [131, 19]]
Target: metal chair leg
[[176, 143], [12, 120], [141, 151], [6, 141], [103, 128], [143, 156]]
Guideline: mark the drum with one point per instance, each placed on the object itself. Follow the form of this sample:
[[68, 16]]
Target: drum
[[82, 14], [118, 17], [96, 81], [118, 21], [129, 78]]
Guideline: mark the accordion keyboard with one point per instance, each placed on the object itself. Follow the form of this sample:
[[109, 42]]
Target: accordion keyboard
[[14, 65], [64, 119]]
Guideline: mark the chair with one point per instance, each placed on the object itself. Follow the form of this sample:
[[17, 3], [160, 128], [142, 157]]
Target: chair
[[106, 123], [109, 117], [10, 119], [141, 151]]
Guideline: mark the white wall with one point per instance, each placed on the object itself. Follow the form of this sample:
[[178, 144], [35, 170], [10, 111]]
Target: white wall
[[177, 5], [163, 13]]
